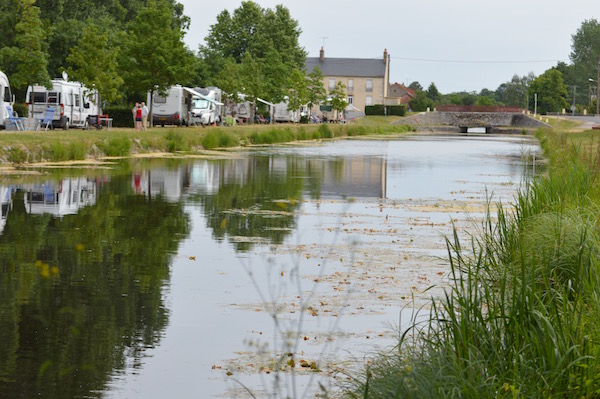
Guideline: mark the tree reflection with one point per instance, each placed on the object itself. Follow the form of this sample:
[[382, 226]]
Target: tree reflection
[[81, 295]]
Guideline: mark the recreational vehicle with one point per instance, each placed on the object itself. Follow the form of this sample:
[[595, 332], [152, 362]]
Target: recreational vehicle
[[173, 109], [61, 198], [206, 109], [241, 109], [5, 99], [283, 114], [73, 103]]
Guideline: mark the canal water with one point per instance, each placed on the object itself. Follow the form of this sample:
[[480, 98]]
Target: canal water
[[263, 273]]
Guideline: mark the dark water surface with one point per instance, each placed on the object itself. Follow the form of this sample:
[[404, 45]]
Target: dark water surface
[[150, 279]]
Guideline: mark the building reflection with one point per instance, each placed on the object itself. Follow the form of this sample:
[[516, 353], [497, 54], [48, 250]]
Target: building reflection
[[64, 197]]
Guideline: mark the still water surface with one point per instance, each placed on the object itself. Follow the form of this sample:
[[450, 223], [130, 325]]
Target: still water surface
[[186, 279]]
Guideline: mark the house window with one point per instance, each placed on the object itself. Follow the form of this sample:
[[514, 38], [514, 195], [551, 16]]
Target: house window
[[369, 86], [369, 100], [350, 85], [350, 100], [331, 84]]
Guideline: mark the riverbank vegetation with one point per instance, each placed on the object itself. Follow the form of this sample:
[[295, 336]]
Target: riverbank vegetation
[[520, 316], [17, 147]]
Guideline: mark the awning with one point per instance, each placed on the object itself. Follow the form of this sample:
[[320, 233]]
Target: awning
[[264, 102], [196, 94]]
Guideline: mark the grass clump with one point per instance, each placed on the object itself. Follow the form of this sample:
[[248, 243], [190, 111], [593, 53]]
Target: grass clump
[[17, 156], [519, 318], [176, 142], [218, 139], [118, 146], [272, 136], [59, 152]]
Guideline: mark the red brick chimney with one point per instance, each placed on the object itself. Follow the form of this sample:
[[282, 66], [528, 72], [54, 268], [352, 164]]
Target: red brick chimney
[[322, 55], [385, 55]]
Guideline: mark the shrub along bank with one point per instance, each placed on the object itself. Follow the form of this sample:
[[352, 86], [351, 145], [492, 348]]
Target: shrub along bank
[[520, 319], [18, 147]]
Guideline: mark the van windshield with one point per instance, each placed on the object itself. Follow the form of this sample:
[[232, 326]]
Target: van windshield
[[200, 103]]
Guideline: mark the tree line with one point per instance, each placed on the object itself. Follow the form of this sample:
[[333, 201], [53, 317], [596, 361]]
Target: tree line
[[129, 47], [554, 88], [126, 48]]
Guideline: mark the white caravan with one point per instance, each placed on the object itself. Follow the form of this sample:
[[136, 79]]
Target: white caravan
[[5, 99], [207, 108], [73, 103], [175, 108]]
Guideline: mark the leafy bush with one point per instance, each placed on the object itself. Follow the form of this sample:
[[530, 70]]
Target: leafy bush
[[121, 116], [379, 109]]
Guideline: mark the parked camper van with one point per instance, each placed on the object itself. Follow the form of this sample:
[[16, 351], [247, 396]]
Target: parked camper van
[[206, 109], [73, 103], [175, 108], [5, 99], [282, 114], [241, 109]]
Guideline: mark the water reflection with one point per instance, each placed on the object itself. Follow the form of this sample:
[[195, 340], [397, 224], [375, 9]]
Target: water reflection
[[86, 260]]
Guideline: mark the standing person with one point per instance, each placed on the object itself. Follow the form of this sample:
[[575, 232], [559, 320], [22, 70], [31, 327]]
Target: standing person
[[138, 118], [133, 111], [144, 116]]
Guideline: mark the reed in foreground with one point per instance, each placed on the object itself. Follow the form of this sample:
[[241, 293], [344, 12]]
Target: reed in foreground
[[519, 319]]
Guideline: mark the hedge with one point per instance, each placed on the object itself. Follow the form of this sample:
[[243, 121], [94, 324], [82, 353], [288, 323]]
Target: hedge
[[121, 116], [379, 109]]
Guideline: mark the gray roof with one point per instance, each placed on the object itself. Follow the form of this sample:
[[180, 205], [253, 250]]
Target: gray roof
[[358, 67]]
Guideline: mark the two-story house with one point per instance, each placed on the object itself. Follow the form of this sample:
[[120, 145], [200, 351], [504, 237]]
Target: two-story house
[[366, 79]]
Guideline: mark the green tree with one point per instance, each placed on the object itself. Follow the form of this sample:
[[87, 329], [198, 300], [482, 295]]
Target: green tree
[[415, 86], [421, 102], [297, 90], [433, 93], [27, 61], [316, 93], [155, 56], [94, 61], [338, 97], [551, 91], [269, 37]]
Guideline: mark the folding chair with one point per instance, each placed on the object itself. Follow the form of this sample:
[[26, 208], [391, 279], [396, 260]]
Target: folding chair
[[47, 121], [14, 119]]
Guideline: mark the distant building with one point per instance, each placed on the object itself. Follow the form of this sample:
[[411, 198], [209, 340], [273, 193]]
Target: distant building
[[400, 92], [366, 79]]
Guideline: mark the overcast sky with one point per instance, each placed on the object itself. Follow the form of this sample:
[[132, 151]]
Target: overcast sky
[[457, 44]]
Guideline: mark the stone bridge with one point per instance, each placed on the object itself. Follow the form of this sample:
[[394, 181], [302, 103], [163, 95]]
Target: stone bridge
[[466, 121]]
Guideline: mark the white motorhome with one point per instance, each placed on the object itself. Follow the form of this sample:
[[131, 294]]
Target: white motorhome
[[6, 98], [175, 108], [61, 198], [207, 108], [241, 108], [283, 114], [73, 103]]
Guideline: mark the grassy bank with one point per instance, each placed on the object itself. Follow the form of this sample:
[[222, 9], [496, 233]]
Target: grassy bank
[[58, 145], [520, 318]]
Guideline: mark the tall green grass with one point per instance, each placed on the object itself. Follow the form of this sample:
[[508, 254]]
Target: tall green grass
[[519, 319]]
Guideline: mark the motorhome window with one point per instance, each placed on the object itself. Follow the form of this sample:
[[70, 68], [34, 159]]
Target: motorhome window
[[76, 100], [159, 99], [7, 96], [52, 97], [200, 103], [38, 97]]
